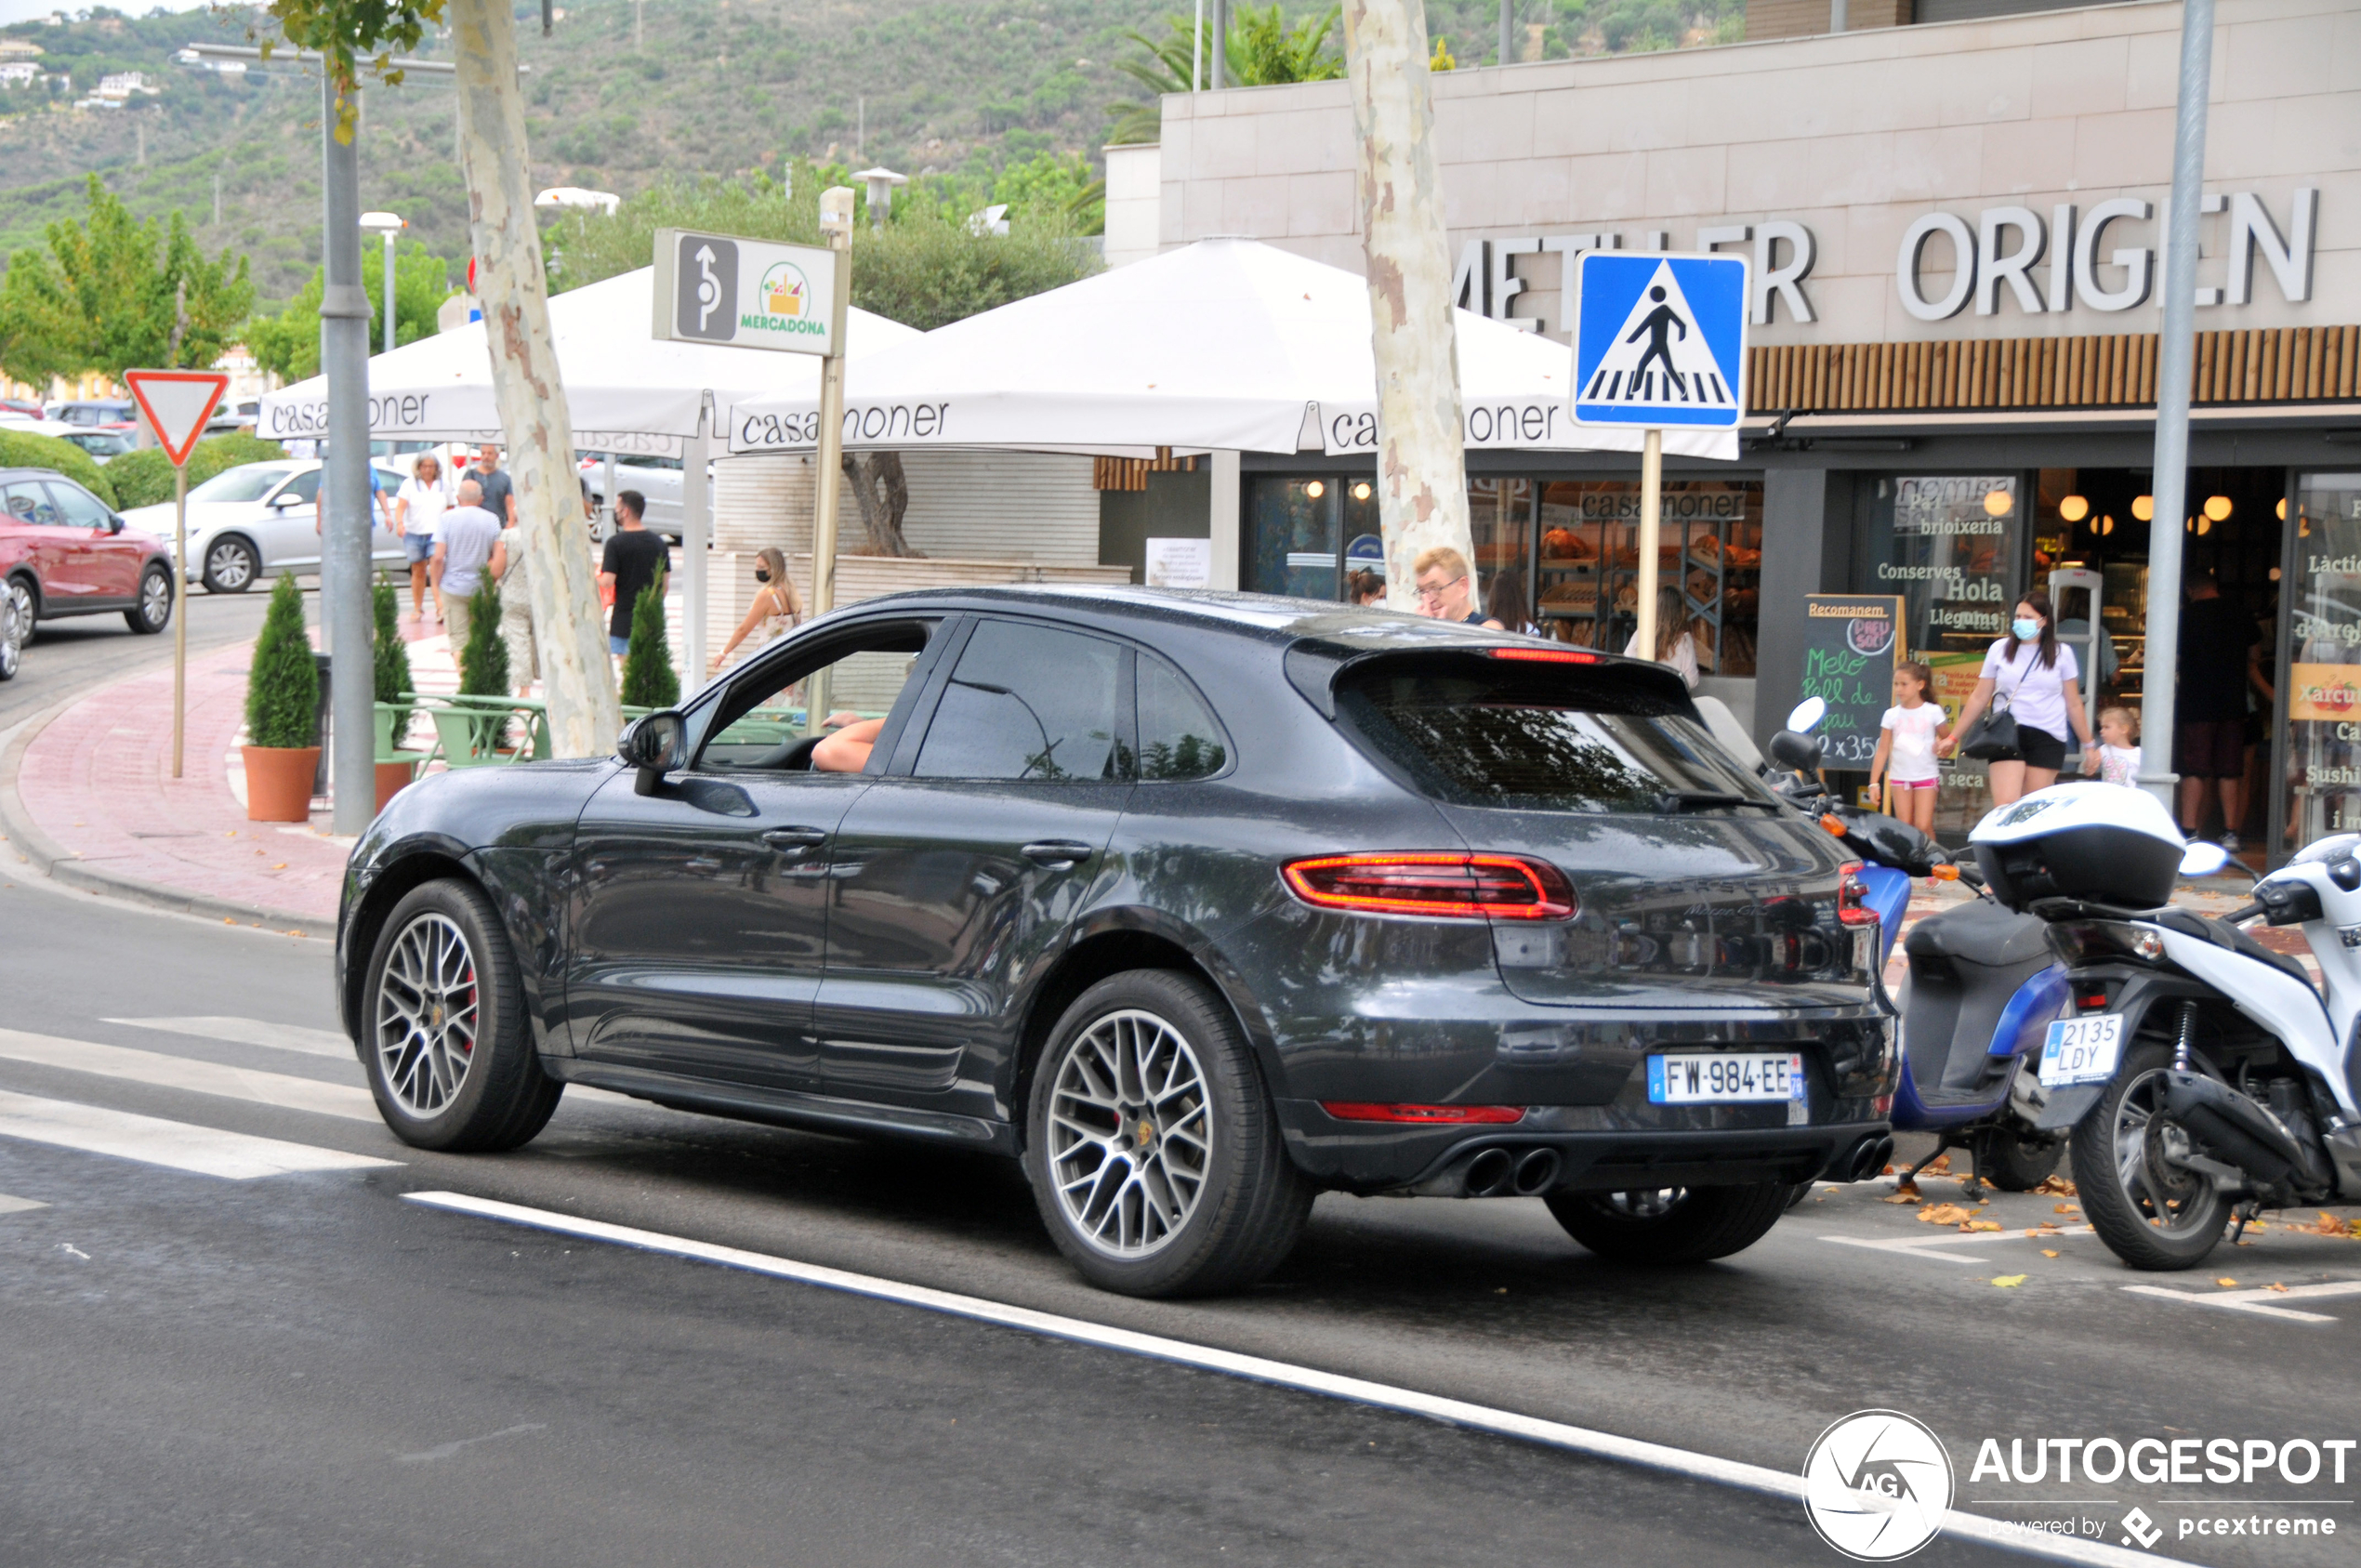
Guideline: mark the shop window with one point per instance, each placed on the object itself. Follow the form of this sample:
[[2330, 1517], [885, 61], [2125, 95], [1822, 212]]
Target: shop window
[[1306, 535], [1952, 546], [1710, 549], [2322, 778]]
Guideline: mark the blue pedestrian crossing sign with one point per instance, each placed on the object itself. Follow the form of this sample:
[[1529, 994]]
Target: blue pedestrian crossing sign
[[1659, 340]]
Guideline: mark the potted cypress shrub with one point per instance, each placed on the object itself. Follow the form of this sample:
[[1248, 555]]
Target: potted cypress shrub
[[649, 679], [483, 664], [283, 700], [391, 658]]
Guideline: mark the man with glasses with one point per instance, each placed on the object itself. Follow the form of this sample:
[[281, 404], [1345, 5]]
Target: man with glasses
[[1446, 588]]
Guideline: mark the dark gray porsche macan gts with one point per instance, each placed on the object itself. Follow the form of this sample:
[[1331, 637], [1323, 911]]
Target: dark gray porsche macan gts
[[1197, 904]]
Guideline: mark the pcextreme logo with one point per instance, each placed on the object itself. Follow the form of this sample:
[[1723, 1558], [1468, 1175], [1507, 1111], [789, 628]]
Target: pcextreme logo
[[1877, 1485], [787, 305]]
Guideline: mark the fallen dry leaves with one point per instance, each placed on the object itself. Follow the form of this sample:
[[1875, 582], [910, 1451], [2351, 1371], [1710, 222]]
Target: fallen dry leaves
[[2049, 1252], [1981, 1225], [2330, 1225], [2009, 1282], [2226, 1282], [2064, 1208], [1945, 1214], [2275, 1285], [2055, 1187]]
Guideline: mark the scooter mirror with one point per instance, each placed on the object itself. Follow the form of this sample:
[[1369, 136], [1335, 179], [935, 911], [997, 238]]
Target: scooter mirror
[[1800, 752], [2203, 860], [1806, 716]]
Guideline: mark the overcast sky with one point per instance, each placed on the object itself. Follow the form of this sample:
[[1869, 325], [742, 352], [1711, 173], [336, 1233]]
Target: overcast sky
[[27, 10]]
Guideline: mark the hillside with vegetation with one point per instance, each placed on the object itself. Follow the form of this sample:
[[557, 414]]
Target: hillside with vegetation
[[983, 98]]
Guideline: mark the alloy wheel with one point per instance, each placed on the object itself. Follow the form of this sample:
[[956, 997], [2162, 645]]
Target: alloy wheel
[[229, 567], [2150, 1149], [155, 599], [21, 613], [1130, 1134], [12, 630], [427, 1015]]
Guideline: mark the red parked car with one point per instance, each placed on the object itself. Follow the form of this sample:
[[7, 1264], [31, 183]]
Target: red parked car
[[65, 552]]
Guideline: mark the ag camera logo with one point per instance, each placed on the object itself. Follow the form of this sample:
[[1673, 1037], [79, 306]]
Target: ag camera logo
[[1876, 1485]]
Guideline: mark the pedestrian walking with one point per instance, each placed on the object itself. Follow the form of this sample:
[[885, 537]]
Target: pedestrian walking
[[1446, 588], [2033, 677], [418, 506], [1905, 748], [634, 558], [499, 490], [1675, 647], [776, 611], [469, 535], [511, 566]]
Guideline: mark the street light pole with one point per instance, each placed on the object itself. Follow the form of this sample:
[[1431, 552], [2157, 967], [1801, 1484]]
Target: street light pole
[[2169, 485], [385, 225], [344, 491]]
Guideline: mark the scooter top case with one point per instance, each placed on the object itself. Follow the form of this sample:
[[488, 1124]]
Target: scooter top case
[[2099, 842], [1984, 987]]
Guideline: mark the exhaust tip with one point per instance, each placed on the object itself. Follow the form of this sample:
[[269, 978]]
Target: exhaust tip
[[1869, 1157], [1536, 1173], [1490, 1173]]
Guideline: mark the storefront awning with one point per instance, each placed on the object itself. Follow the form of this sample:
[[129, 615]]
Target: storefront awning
[[1223, 345], [625, 390]]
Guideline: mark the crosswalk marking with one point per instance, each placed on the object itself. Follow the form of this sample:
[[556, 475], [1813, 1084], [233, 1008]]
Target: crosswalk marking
[[2262, 1301], [252, 1031], [176, 1145], [185, 1072], [18, 1205]]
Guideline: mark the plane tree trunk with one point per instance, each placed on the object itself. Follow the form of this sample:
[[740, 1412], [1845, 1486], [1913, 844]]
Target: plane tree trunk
[[882, 493]]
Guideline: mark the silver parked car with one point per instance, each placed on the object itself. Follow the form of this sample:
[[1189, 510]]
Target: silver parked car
[[259, 520]]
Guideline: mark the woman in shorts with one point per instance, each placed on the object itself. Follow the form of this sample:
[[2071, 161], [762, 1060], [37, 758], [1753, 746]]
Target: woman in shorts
[[418, 506], [2032, 676]]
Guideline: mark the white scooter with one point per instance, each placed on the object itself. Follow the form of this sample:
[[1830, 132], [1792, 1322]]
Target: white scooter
[[2204, 1077]]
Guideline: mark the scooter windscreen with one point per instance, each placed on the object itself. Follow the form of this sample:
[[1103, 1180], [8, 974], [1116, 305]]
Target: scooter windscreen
[[2098, 842]]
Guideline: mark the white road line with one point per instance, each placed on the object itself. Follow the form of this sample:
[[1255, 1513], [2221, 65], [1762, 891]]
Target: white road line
[[252, 1031], [2261, 1302], [1451, 1412], [18, 1205], [1933, 1247], [176, 1145], [197, 1077]]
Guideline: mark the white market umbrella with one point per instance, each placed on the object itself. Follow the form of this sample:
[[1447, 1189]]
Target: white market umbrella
[[626, 390], [1223, 345]]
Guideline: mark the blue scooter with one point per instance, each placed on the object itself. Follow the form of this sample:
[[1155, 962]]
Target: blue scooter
[[1981, 989]]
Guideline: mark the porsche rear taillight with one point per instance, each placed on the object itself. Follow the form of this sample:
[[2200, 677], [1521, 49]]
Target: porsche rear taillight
[[1439, 885]]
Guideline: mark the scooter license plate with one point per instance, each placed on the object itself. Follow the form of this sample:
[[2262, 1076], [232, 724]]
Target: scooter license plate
[[2081, 1050], [1723, 1077]]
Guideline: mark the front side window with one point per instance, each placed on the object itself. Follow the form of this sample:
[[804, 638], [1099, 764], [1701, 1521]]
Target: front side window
[[251, 483], [1177, 737], [761, 722], [79, 508], [302, 490], [1027, 702], [1531, 743]]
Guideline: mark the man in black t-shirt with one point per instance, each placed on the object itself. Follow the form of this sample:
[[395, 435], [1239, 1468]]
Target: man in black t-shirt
[[2217, 642], [634, 559]]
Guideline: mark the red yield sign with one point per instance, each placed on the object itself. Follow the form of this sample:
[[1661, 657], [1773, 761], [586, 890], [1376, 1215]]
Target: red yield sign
[[176, 403]]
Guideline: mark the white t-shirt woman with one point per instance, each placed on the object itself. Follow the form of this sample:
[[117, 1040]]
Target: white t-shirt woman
[[420, 505]]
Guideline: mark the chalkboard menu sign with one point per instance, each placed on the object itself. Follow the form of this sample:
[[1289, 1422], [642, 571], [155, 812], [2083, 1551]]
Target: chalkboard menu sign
[[1851, 644]]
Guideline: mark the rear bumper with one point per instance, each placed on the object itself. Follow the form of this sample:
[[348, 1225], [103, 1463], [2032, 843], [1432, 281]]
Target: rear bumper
[[1599, 1149]]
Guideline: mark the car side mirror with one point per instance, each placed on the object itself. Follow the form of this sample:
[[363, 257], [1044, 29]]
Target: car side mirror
[[1801, 752], [656, 745]]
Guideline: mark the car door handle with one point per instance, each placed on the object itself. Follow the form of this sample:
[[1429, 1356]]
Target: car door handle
[[795, 837], [703, 863], [1057, 851]]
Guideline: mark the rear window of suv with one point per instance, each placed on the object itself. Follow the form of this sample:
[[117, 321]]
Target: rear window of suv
[[1534, 742]]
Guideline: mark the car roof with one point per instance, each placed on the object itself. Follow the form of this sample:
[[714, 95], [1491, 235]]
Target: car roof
[[1261, 617]]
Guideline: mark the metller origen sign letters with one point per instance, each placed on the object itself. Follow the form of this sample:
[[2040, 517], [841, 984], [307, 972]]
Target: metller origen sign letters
[[749, 294]]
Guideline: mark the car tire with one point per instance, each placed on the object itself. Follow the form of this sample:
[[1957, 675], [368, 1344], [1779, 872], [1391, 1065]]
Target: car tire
[[2014, 1160], [26, 602], [230, 565], [153, 611], [1675, 1225], [1201, 1198], [449, 1055], [2106, 1169], [13, 627]]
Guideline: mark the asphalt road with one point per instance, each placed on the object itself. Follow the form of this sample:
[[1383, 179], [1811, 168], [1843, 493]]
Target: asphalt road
[[67, 657], [304, 1368]]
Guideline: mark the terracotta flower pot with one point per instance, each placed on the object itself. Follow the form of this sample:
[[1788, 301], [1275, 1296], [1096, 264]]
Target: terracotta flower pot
[[392, 778], [279, 783]]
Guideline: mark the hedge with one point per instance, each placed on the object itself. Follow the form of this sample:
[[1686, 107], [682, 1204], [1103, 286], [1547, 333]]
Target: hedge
[[144, 478], [22, 449]]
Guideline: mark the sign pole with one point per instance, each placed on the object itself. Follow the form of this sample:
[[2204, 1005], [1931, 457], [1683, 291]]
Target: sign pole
[[1651, 529], [179, 622], [836, 218]]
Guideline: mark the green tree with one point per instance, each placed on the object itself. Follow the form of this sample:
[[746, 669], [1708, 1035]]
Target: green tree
[[483, 663], [1260, 51], [1061, 188], [144, 478], [282, 683], [110, 293], [649, 679], [390, 654], [289, 342], [22, 449]]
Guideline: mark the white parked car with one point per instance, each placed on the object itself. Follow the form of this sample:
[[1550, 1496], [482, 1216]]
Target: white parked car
[[259, 520], [658, 480]]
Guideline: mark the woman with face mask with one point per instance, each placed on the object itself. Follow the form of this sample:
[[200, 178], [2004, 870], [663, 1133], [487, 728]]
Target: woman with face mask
[[775, 610], [2033, 677]]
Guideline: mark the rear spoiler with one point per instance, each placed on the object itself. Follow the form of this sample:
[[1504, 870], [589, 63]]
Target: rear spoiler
[[1316, 667]]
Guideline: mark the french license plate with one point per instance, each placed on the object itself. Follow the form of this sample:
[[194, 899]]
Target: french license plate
[[1723, 1077], [2081, 1050]]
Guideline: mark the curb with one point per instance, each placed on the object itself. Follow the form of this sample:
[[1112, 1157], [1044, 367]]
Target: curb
[[62, 866]]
